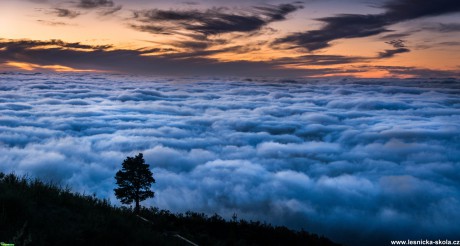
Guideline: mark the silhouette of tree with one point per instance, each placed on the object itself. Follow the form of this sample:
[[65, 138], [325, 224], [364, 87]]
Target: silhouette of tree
[[134, 181]]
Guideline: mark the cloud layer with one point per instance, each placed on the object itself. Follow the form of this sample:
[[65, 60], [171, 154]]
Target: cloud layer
[[361, 162]]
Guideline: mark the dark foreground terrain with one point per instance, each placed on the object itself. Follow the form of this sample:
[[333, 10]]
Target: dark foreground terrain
[[36, 213]]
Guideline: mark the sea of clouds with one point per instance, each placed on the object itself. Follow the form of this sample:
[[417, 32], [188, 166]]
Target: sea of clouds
[[358, 161]]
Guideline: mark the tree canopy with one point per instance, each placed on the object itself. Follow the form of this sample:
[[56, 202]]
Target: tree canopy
[[134, 181]]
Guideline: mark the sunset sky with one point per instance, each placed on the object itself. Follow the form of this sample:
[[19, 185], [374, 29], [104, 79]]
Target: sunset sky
[[312, 38], [338, 117]]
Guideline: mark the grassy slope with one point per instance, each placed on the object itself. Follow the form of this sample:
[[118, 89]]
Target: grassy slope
[[35, 213]]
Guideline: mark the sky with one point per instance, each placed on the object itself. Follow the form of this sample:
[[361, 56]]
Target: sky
[[361, 161], [338, 117], [312, 38]]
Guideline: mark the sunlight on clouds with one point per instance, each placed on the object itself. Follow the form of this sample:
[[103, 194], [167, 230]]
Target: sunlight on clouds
[[373, 73], [36, 67]]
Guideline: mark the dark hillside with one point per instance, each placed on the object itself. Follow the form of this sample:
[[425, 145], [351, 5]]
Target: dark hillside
[[36, 213]]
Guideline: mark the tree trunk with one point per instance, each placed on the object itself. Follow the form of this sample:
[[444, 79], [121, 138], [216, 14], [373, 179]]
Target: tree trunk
[[136, 198], [137, 208]]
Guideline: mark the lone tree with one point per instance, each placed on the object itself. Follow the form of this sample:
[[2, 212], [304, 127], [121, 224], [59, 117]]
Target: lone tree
[[134, 181]]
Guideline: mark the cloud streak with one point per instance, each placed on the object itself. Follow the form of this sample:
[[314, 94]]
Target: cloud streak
[[90, 4], [398, 44], [61, 12], [107, 7], [444, 27], [212, 21], [359, 25], [362, 162], [391, 53], [73, 9]]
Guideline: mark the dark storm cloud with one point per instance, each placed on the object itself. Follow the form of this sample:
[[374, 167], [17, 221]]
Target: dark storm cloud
[[392, 36], [107, 7], [61, 12], [72, 9], [391, 53], [321, 60], [360, 161], [398, 44], [445, 27], [358, 25], [341, 26], [212, 21], [13, 46], [134, 61], [90, 4], [401, 10], [193, 45], [152, 29], [415, 72], [111, 11], [423, 73]]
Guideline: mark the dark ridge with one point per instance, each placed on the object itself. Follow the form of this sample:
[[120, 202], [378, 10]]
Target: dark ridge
[[36, 213]]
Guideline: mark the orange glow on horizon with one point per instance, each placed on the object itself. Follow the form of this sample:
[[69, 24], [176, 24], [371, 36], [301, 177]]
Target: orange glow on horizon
[[56, 68]]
